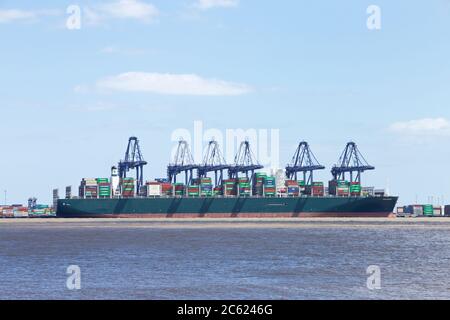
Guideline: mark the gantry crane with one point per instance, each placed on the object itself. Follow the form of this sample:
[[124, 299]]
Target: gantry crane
[[213, 161], [351, 161], [303, 162], [183, 162], [133, 160], [244, 162]]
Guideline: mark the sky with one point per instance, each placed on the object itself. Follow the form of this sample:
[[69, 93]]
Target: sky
[[72, 93]]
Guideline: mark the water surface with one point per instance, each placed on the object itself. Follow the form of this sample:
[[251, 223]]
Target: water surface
[[286, 259]]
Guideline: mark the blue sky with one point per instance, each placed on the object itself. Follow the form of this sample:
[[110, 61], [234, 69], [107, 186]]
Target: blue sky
[[71, 98]]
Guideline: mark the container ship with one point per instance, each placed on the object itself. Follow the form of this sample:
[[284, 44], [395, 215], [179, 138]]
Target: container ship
[[246, 193]]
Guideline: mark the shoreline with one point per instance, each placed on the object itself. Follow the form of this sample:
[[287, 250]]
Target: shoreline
[[229, 223]]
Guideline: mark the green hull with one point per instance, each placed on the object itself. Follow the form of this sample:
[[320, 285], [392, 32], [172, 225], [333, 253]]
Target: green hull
[[228, 207]]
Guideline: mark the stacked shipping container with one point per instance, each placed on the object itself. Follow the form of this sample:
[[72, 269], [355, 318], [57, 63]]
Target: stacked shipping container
[[151, 189], [193, 190], [244, 188], [270, 188], [447, 211], [128, 186], [19, 211], [218, 191], [355, 189], [258, 183], [167, 189], [263, 185], [437, 211], [368, 191], [88, 188], [340, 188], [179, 189], [104, 187], [316, 189], [206, 188], [229, 187], [428, 210], [7, 212], [41, 211], [292, 188]]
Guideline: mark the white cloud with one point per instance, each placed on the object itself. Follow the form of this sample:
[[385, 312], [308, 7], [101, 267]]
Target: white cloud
[[208, 4], [12, 15], [121, 9], [130, 9], [171, 84], [427, 126]]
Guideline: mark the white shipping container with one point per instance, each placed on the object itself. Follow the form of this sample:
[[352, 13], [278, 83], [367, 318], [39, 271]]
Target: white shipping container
[[369, 191], [8, 213], [437, 211], [154, 190], [280, 178], [20, 214], [89, 182]]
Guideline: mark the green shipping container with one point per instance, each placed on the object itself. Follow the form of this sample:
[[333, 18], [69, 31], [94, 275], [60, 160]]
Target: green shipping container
[[428, 210]]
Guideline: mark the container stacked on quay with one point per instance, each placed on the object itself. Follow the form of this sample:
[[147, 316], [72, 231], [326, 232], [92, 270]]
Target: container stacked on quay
[[41, 211], [14, 211], [20, 211], [423, 210], [246, 192]]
